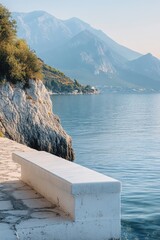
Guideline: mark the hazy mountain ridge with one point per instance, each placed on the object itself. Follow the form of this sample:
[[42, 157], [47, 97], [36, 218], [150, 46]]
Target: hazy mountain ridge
[[85, 53], [147, 65], [41, 29], [48, 25]]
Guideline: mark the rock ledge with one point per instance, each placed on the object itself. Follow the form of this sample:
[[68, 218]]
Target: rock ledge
[[26, 117]]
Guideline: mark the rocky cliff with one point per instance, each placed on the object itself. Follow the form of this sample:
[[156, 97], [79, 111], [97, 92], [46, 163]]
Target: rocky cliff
[[26, 116]]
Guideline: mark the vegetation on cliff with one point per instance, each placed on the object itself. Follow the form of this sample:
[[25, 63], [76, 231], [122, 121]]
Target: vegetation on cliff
[[17, 61], [58, 82]]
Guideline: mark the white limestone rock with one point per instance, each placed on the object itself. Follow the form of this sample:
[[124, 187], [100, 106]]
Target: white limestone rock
[[26, 116]]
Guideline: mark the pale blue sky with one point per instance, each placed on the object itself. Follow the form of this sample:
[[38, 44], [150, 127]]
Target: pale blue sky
[[133, 23]]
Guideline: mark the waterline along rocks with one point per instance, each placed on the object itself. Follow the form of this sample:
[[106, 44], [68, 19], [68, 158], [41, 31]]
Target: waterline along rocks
[[26, 116]]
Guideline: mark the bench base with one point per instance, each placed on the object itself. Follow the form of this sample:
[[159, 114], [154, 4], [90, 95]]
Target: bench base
[[62, 229]]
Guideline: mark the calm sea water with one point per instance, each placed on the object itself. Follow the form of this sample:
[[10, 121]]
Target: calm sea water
[[119, 135]]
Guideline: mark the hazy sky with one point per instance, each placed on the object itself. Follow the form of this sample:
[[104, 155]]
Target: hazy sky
[[132, 23]]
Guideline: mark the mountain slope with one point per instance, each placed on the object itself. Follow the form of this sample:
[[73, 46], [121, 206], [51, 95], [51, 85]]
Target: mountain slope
[[86, 55], [147, 65], [57, 82], [77, 25], [42, 29]]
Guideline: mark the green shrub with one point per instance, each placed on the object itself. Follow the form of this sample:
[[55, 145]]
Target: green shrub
[[17, 61]]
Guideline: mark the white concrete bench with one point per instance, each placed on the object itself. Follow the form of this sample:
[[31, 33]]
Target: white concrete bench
[[91, 199]]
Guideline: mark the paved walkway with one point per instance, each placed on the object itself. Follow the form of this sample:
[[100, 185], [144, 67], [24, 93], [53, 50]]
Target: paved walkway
[[20, 206]]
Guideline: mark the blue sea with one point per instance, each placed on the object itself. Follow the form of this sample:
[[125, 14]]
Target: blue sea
[[119, 135]]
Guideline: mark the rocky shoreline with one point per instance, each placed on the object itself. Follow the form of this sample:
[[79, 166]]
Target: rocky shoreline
[[75, 93], [26, 117]]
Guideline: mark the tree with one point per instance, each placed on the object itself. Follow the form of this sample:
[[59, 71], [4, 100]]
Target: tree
[[32, 66], [7, 25], [17, 61]]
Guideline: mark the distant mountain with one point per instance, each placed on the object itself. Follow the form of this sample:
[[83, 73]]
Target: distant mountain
[[147, 65], [142, 73], [42, 29], [77, 25], [87, 54]]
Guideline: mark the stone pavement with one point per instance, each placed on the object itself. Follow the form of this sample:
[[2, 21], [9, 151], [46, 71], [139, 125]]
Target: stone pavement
[[20, 206]]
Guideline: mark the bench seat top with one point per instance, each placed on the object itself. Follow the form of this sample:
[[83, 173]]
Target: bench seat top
[[71, 176]]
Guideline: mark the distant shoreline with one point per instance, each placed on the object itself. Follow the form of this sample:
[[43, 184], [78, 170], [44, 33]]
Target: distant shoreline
[[72, 93]]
